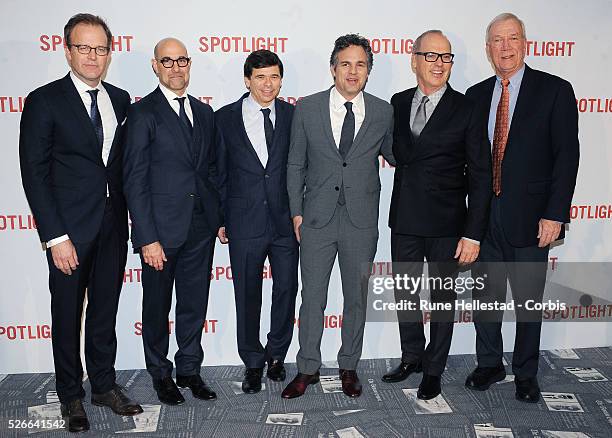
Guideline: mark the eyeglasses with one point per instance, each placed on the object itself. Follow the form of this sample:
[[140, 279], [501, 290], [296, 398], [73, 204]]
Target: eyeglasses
[[169, 62], [84, 49], [447, 58]]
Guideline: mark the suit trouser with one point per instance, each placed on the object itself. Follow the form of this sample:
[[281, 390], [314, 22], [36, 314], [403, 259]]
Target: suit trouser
[[100, 273], [525, 269], [188, 268], [355, 248], [247, 257], [409, 251]]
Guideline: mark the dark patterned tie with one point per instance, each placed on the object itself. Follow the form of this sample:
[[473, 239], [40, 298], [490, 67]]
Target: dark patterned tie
[[96, 119], [268, 127], [348, 130], [187, 127], [500, 135], [420, 118]]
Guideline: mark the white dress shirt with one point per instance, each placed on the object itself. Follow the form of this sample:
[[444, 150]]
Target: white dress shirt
[[176, 106], [337, 111], [109, 125], [253, 120]]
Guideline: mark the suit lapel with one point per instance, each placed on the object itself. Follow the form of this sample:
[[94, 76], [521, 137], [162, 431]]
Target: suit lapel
[[120, 113], [367, 103], [171, 119], [326, 120], [523, 102], [441, 113], [199, 139], [81, 115], [241, 130]]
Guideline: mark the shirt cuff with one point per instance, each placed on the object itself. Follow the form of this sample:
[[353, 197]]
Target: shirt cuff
[[471, 240], [57, 240]]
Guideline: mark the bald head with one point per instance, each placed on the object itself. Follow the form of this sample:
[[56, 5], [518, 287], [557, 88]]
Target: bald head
[[171, 43], [168, 53]]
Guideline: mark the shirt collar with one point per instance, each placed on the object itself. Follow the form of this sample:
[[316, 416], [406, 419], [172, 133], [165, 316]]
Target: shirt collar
[[171, 95], [253, 106], [436, 95], [515, 79], [337, 100], [81, 86]]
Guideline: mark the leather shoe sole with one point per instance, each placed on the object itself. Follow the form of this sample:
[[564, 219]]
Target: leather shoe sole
[[498, 377]]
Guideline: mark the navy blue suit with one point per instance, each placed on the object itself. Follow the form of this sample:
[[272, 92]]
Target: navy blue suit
[[65, 182], [258, 225], [172, 197], [539, 170]]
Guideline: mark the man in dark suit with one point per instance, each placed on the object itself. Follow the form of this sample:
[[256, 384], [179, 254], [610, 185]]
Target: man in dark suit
[[252, 144], [337, 137], [170, 187], [442, 156], [70, 155], [532, 123]]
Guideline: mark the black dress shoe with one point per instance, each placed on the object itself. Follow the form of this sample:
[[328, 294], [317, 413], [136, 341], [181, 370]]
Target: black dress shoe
[[251, 383], [77, 418], [297, 387], [276, 370], [167, 391], [118, 401], [429, 387], [199, 389], [351, 385], [527, 390], [483, 377], [402, 371]]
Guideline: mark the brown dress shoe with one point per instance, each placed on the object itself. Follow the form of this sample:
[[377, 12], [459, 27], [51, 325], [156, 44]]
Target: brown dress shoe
[[351, 385], [298, 385], [75, 413], [118, 401]]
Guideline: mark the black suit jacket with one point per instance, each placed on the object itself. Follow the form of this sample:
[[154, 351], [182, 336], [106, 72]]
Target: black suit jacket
[[251, 193], [62, 170], [435, 172], [164, 175], [540, 162]]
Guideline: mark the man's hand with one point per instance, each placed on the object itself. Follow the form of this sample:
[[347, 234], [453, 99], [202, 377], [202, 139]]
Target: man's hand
[[65, 257], [153, 255], [548, 231], [466, 252], [222, 236], [297, 222]]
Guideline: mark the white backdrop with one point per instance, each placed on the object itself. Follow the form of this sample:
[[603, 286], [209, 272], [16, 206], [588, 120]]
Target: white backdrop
[[569, 38]]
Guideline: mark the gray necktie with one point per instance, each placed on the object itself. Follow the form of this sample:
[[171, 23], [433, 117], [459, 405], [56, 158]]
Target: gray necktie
[[420, 119]]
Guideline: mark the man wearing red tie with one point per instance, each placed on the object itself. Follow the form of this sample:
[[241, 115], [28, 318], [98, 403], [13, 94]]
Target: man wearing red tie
[[533, 129]]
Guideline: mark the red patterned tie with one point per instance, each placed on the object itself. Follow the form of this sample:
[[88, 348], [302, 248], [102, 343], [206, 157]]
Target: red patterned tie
[[500, 135]]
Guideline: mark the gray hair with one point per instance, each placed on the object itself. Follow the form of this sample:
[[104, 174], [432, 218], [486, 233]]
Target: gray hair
[[416, 46], [503, 17]]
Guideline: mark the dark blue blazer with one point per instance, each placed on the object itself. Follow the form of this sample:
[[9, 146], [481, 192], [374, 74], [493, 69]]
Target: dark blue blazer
[[251, 194], [165, 175], [62, 170], [541, 158]]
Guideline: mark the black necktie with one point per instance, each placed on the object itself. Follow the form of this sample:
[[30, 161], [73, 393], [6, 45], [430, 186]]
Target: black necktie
[[94, 115], [348, 130], [268, 127], [187, 128]]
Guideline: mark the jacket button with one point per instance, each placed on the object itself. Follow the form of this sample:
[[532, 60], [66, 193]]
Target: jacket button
[[191, 195], [265, 202], [337, 188], [344, 164], [267, 176]]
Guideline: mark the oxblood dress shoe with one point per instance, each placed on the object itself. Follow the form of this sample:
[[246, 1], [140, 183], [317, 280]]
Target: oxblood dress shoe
[[429, 387], [199, 389], [251, 384], [298, 385], [167, 391], [483, 377], [527, 390], [118, 401], [402, 371], [77, 418], [351, 385], [276, 370]]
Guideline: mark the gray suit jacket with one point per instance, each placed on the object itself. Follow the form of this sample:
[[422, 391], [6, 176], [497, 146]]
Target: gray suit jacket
[[316, 170]]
